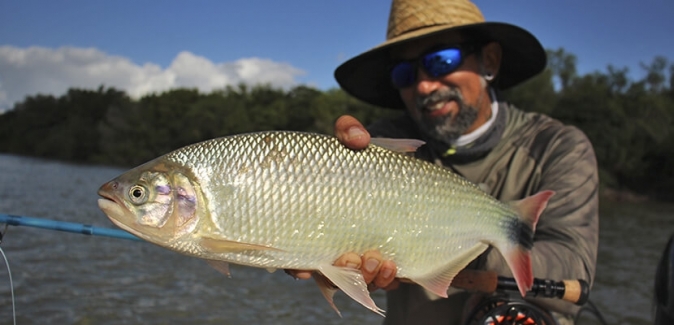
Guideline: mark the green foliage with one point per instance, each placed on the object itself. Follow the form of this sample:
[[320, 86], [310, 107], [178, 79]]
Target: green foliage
[[630, 123], [61, 128], [563, 66], [105, 126], [534, 95]]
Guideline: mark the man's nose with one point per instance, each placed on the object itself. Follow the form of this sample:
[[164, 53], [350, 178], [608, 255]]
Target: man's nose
[[426, 84]]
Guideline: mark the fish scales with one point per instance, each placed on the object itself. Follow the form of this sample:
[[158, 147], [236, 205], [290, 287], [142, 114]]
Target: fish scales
[[297, 200], [302, 192]]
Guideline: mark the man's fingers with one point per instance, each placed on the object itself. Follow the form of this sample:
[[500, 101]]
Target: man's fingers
[[299, 274], [385, 279], [351, 132], [372, 261], [351, 260], [377, 272]]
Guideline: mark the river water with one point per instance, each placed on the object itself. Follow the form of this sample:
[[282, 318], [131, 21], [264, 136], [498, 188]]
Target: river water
[[64, 278]]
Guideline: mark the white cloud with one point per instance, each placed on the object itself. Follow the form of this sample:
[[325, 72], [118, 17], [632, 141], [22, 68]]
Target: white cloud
[[33, 70]]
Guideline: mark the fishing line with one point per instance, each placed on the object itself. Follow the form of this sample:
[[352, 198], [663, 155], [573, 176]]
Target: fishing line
[[11, 283]]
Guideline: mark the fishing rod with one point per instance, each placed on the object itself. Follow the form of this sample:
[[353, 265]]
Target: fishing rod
[[13, 220], [575, 291], [492, 311], [501, 308]]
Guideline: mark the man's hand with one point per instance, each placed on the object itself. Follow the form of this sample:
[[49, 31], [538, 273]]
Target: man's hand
[[351, 132], [377, 272]]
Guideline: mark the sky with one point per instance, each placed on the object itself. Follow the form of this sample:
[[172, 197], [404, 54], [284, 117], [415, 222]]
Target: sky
[[146, 46]]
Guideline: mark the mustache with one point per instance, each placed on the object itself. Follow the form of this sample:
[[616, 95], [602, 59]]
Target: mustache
[[445, 94]]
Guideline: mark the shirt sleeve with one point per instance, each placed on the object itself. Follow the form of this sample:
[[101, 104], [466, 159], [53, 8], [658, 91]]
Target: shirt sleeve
[[566, 237]]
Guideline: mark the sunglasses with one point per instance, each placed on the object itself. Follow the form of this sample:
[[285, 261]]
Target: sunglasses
[[435, 63]]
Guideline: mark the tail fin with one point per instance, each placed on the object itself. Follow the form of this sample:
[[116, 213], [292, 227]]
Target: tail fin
[[531, 207], [518, 256]]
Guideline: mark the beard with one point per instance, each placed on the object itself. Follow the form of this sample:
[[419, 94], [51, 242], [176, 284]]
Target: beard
[[449, 128]]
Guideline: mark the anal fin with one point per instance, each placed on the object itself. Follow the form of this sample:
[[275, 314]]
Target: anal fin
[[327, 290], [439, 281]]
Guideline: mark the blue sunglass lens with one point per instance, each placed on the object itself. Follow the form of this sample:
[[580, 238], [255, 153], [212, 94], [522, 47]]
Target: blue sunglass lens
[[403, 74], [436, 64], [442, 62]]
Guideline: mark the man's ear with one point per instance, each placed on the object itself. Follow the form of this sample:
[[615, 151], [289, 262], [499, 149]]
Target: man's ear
[[491, 59]]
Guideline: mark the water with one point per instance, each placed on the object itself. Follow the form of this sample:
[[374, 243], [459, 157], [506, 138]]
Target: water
[[631, 241], [63, 278]]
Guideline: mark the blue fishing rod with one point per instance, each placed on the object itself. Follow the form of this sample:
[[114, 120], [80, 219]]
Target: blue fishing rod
[[13, 220], [496, 310]]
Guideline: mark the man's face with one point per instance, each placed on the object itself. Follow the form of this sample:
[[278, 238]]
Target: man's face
[[447, 106]]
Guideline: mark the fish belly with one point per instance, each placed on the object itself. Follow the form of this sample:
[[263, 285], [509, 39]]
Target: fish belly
[[311, 200]]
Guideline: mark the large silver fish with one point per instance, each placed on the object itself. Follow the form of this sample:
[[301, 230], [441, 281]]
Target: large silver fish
[[295, 200]]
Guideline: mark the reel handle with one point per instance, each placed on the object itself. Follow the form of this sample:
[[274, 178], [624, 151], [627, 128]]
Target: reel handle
[[576, 291]]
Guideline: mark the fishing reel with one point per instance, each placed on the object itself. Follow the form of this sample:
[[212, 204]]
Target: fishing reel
[[504, 309], [499, 307]]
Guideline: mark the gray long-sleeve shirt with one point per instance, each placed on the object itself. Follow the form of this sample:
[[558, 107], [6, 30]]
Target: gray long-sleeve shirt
[[535, 153]]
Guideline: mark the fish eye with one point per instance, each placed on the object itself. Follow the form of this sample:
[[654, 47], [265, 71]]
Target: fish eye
[[138, 194]]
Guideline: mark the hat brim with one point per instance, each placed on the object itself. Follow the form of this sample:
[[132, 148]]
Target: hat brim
[[367, 76]]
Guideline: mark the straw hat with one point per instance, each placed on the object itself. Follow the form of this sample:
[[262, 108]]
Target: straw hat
[[367, 76]]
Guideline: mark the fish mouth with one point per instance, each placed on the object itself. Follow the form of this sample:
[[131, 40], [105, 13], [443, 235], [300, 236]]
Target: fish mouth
[[115, 209], [105, 192], [109, 203]]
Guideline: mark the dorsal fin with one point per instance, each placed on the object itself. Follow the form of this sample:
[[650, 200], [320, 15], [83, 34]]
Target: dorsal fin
[[398, 145]]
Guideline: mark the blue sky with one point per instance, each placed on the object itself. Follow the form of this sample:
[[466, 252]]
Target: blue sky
[[144, 46]]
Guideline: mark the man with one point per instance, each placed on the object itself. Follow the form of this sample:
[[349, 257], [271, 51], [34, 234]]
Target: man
[[442, 63]]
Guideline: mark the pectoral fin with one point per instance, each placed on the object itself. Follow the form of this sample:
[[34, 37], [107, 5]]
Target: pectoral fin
[[438, 282], [223, 245], [351, 282]]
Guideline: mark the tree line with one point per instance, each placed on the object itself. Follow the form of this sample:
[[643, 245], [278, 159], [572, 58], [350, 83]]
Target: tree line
[[630, 123]]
